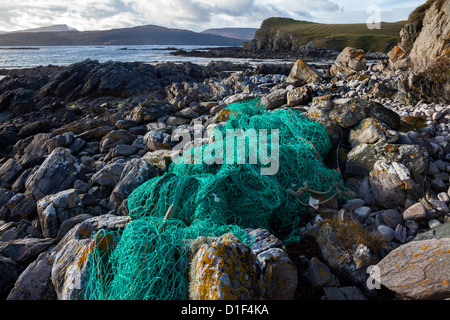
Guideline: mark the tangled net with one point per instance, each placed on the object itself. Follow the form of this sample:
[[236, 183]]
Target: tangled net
[[148, 259]]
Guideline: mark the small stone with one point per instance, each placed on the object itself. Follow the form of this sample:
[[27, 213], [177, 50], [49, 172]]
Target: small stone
[[416, 212], [443, 196], [436, 116], [386, 232], [433, 223], [363, 211], [392, 218], [400, 233], [353, 204]]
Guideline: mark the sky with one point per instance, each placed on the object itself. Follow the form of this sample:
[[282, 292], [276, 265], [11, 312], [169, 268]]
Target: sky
[[195, 15]]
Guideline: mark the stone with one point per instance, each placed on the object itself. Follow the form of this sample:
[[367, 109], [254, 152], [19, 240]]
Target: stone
[[109, 175], [386, 232], [224, 269], [70, 272], [343, 293], [371, 131], [417, 269], [54, 209], [302, 74], [279, 274], [114, 138], [58, 172], [150, 111], [348, 61], [159, 139], [400, 233], [9, 171], [439, 232], [19, 207], [433, 223], [299, 96], [34, 283], [363, 212], [319, 274], [262, 240], [25, 250], [10, 271], [443, 196], [416, 212], [34, 152], [392, 218], [274, 99], [353, 204]]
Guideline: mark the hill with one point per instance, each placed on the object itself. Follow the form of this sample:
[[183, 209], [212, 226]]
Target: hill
[[236, 33], [277, 34], [141, 35]]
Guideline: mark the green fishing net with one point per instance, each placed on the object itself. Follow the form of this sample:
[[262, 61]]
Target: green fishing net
[[240, 179]]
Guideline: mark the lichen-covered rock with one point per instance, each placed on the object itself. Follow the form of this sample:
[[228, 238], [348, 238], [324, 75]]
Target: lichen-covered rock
[[302, 74], [279, 274], [225, 269], [58, 172], [349, 60], [371, 131], [299, 96], [70, 269], [109, 175], [274, 99], [417, 270], [18, 207]]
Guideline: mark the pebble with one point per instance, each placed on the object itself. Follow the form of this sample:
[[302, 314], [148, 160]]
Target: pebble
[[363, 211], [433, 223], [415, 212], [443, 196], [392, 218], [386, 232], [353, 204]]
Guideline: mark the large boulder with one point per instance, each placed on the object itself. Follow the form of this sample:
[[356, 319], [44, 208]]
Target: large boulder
[[58, 172], [417, 270], [348, 61]]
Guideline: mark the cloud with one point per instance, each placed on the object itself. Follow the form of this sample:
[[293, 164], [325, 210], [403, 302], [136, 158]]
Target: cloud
[[195, 15]]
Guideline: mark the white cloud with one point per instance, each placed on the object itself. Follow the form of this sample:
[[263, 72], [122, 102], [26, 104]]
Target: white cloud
[[195, 15]]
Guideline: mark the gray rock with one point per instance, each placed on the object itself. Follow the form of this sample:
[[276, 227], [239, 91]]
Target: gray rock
[[299, 96], [9, 171], [433, 223], [439, 232], [301, 74], [24, 250], [386, 232], [392, 218], [10, 271], [58, 172], [348, 61], [114, 138], [319, 274], [34, 152], [343, 293], [262, 240], [372, 131], [274, 99], [18, 207], [353, 204], [417, 269], [400, 233], [362, 212], [109, 175]]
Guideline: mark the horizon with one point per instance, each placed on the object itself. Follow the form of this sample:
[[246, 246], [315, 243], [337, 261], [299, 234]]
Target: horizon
[[193, 15]]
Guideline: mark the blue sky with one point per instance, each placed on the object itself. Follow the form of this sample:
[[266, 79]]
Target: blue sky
[[195, 15]]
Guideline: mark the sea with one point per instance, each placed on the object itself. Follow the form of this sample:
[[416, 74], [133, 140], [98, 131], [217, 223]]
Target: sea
[[33, 56]]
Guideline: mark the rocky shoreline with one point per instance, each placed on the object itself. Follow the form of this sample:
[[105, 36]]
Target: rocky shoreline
[[75, 141]]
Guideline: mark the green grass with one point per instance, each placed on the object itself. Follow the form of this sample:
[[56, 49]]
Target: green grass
[[336, 36]]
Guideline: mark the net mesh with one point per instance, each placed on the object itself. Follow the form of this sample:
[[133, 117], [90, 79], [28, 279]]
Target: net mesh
[[211, 197]]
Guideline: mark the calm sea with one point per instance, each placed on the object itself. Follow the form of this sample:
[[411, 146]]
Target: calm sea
[[25, 57]]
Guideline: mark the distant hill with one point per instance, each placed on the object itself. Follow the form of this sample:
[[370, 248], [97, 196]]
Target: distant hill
[[277, 34], [52, 28], [141, 35], [236, 33]]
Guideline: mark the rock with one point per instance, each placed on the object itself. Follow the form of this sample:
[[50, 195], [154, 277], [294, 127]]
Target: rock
[[58, 172], [159, 139], [348, 61], [416, 212], [279, 274], [433, 223], [363, 212], [9, 171], [10, 271], [34, 152], [23, 251], [353, 204], [18, 207], [35, 283], [386, 232], [70, 223], [418, 269], [362, 158], [274, 99], [54, 209], [439, 232], [224, 269], [109, 175], [115, 138], [60, 140], [371, 131], [392, 218], [319, 274], [262, 240], [343, 293], [299, 96], [150, 111], [400, 233], [302, 74], [70, 273], [135, 173]]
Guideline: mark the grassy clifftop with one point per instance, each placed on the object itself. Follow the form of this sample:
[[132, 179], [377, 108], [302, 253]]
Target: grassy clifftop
[[288, 34]]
